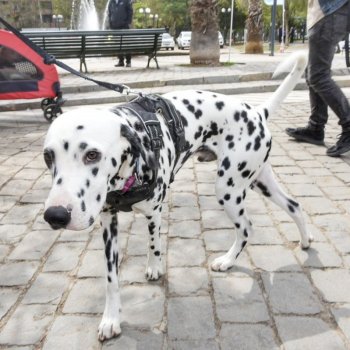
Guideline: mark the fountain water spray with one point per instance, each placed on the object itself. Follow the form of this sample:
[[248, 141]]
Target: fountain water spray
[[88, 18]]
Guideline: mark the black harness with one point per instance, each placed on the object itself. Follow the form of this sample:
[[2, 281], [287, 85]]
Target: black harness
[[146, 109]]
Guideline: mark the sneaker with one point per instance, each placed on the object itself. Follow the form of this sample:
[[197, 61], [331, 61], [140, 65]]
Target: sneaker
[[119, 64], [307, 134], [341, 146], [128, 64]]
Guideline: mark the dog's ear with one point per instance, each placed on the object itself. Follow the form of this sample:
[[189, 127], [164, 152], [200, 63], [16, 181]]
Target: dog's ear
[[137, 149]]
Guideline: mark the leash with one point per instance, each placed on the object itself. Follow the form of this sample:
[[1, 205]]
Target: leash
[[51, 59]]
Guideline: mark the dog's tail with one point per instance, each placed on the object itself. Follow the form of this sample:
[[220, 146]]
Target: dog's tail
[[299, 59]]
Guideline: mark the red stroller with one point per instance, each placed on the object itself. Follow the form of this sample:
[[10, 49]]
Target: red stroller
[[24, 75]]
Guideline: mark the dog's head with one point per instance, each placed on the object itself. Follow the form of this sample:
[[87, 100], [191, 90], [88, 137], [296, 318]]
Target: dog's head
[[88, 153]]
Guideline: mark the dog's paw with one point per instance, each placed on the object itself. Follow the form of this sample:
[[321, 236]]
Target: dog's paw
[[222, 263], [307, 243], [108, 329], [153, 273]]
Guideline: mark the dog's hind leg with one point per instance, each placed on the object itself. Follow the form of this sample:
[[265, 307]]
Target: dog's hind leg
[[267, 185], [110, 323], [154, 267], [232, 198]]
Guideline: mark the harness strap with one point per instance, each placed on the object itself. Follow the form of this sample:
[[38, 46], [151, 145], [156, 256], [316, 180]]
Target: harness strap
[[50, 59]]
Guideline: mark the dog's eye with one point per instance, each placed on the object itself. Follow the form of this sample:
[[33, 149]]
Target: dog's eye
[[48, 158], [92, 156]]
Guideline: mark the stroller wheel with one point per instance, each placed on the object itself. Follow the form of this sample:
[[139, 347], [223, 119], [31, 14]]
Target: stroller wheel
[[45, 102], [51, 111]]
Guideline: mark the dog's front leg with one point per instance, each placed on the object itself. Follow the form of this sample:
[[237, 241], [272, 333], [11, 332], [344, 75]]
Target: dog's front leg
[[110, 324], [154, 267]]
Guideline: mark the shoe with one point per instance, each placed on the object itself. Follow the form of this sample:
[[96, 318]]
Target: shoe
[[341, 146], [128, 64], [119, 64], [307, 134]]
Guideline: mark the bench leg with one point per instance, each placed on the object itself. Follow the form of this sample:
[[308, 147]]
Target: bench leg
[[83, 63], [155, 59]]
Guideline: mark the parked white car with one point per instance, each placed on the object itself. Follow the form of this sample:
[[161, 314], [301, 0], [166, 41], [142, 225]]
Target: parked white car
[[184, 40], [167, 42]]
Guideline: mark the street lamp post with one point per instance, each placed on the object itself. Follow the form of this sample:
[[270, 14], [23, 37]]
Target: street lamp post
[[154, 18], [57, 19], [146, 11], [225, 11]]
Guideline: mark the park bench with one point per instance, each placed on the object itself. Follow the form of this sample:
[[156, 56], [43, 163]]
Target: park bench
[[102, 43]]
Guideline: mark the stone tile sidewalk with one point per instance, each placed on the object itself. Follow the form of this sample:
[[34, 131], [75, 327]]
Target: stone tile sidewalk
[[276, 297]]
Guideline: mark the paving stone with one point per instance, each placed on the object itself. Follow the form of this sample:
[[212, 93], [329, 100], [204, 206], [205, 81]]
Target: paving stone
[[337, 193], [190, 318], [183, 186], [340, 240], [143, 306], [260, 220], [31, 320], [333, 284], [216, 219], [12, 233], [247, 336], [185, 229], [133, 339], [304, 190], [138, 244], [239, 300], [34, 245], [16, 187], [34, 196], [193, 345], [184, 213], [23, 214], [266, 236], [319, 255], [206, 176], [17, 273], [219, 240], [4, 250], [183, 199], [291, 232], [86, 296], [132, 270], [273, 258], [28, 174], [185, 252], [206, 189], [8, 297], [341, 314], [75, 236], [188, 280], [307, 333], [80, 332], [93, 264], [6, 202], [333, 222], [291, 293], [48, 288], [318, 206], [209, 203], [64, 257]]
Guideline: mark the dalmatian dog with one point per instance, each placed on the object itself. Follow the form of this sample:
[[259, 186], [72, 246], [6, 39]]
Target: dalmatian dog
[[93, 152]]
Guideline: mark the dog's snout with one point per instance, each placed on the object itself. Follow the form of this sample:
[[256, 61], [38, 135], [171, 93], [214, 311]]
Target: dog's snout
[[58, 217]]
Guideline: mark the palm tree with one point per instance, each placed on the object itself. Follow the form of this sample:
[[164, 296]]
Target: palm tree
[[255, 28], [205, 48]]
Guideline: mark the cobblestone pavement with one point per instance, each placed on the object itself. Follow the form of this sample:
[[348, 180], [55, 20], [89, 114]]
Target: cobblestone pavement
[[276, 297]]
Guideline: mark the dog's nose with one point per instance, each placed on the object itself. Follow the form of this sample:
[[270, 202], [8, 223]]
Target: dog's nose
[[57, 217]]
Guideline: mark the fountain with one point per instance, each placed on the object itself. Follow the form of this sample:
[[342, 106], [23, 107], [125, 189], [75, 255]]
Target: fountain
[[88, 19]]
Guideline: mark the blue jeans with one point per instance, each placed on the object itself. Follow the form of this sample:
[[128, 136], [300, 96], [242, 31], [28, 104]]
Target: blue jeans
[[324, 92]]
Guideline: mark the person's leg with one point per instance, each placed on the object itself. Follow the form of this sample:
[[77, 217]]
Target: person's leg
[[128, 60], [121, 61]]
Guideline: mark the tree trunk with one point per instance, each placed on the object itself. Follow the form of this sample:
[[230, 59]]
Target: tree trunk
[[255, 28], [205, 49]]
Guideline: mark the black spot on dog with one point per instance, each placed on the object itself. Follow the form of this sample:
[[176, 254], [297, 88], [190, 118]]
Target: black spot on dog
[[221, 202], [80, 127], [191, 108], [257, 143], [83, 206], [247, 147], [183, 119], [221, 173], [98, 198], [294, 203], [247, 106], [91, 220], [114, 162], [227, 197], [251, 127], [229, 138], [185, 101], [241, 166], [157, 253], [230, 182], [291, 208], [237, 225], [236, 116], [138, 126], [266, 112], [66, 146], [198, 134], [199, 101], [109, 279], [241, 212], [244, 116], [231, 145], [238, 200], [219, 105], [246, 173], [83, 145], [198, 113], [199, 92], [263, 189], [245, 233], [226, 163], [59, 181], [87, 183], [94, 171]]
